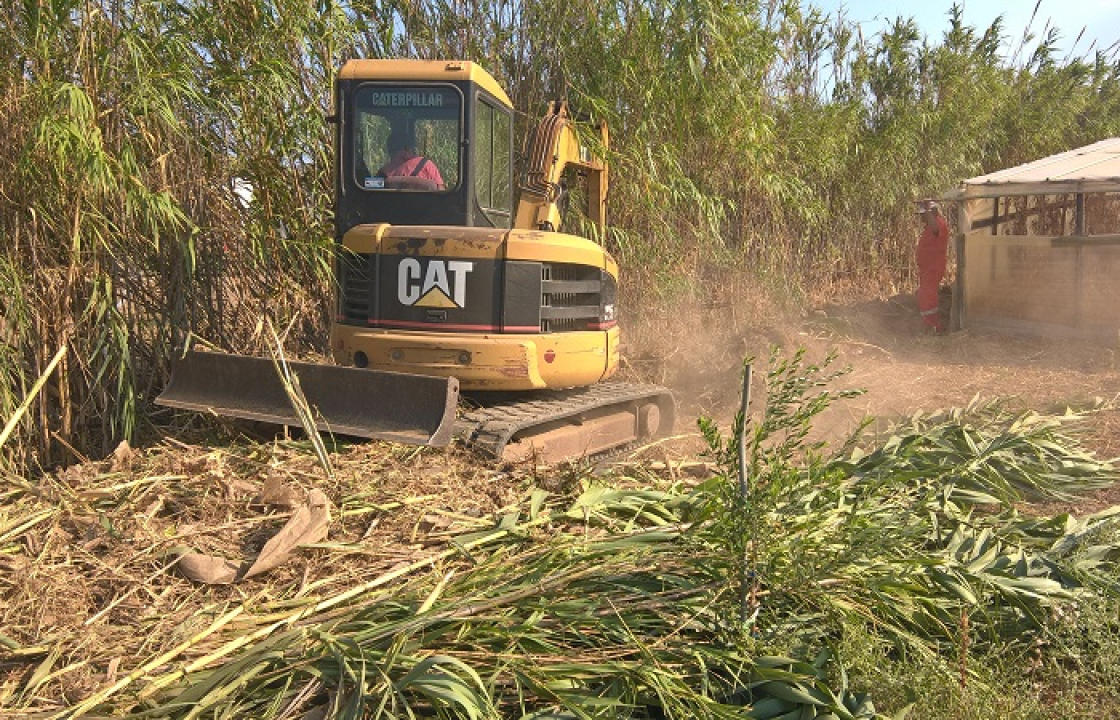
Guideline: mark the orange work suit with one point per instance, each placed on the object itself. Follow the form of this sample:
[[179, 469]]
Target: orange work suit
[[933, 248]]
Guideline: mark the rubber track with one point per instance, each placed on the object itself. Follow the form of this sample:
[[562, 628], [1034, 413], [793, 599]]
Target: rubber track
[[490, 426]]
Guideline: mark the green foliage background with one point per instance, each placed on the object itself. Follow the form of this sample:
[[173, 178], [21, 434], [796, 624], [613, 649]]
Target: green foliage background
[[752, 135]]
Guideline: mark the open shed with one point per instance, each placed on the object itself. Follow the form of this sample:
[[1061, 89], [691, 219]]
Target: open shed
[[1038, 246]]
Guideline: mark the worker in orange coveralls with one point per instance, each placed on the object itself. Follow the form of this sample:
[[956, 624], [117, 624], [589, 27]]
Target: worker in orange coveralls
[[933, 248]]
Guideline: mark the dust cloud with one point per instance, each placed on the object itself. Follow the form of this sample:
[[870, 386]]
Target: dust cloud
[[696, 348]]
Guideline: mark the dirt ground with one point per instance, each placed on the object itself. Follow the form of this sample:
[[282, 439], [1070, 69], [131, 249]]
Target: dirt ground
[[901, 370]]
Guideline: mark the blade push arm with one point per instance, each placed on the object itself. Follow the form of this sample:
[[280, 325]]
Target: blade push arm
[[555, 147]]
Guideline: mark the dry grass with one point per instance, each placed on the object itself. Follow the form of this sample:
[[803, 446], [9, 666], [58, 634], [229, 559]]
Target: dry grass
[[87, 553]]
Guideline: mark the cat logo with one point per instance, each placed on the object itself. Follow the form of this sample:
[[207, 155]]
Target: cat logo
[[442, 284]]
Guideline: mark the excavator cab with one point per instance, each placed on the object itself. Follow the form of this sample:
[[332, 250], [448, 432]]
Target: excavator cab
[[422, 143]]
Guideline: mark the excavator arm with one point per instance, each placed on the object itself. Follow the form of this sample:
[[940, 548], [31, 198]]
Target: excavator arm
[[554, 148]]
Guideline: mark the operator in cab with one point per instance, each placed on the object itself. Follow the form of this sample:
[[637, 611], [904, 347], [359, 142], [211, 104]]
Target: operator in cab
[[405, 162]]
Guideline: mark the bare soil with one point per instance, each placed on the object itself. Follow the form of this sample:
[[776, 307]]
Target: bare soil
[[900, 369], [905, 371]]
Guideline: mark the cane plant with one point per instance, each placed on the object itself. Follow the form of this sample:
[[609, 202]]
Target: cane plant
[[622, 601]]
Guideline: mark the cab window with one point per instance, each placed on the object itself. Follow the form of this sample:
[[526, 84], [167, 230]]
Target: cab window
[[492, 157], [406, 138]]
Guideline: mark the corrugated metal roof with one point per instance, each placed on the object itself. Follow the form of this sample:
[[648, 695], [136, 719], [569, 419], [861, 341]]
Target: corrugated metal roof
[[1093, 168]]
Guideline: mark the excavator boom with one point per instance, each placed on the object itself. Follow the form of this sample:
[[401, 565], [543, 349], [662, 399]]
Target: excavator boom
[[553, 149]]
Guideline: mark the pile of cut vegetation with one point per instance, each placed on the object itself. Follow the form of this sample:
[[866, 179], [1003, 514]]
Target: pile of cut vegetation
[[421, 584]]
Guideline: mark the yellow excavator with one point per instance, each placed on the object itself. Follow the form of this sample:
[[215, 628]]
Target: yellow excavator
[[444, 286]]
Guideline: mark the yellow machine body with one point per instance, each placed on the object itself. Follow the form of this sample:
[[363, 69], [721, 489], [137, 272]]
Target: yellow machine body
[[482, 359], [470, 337]]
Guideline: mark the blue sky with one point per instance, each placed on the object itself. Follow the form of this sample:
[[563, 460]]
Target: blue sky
[[1099, 18]]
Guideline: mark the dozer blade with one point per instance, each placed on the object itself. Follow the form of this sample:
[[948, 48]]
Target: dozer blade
[[412, 409]]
